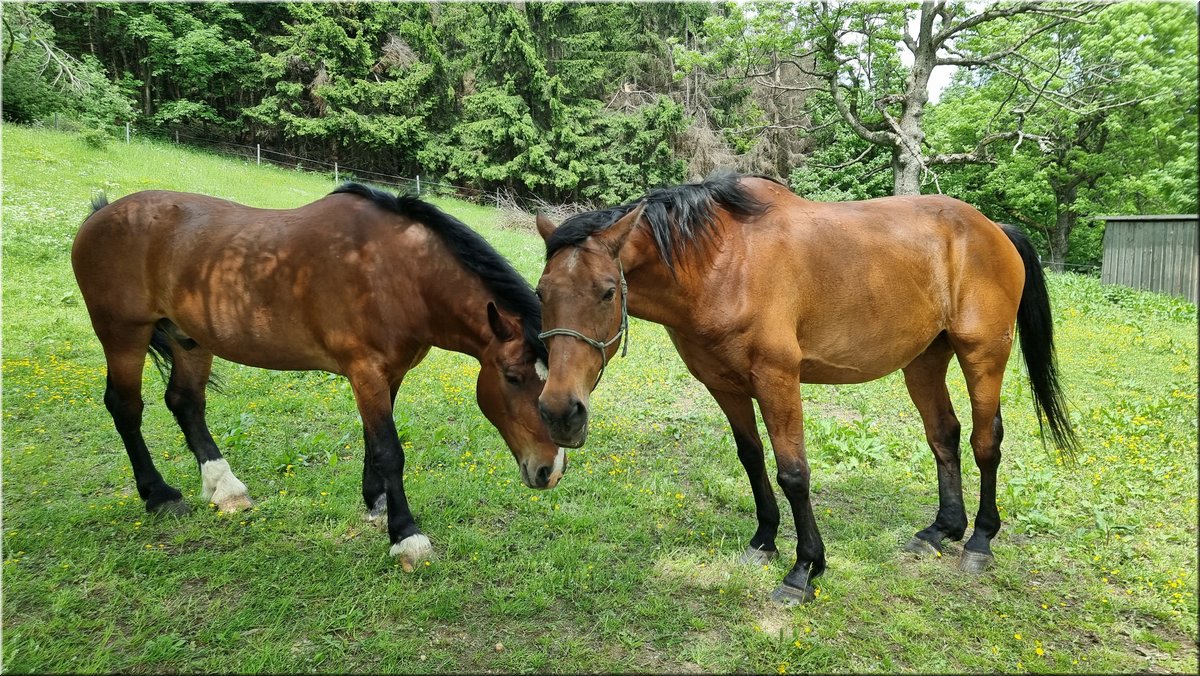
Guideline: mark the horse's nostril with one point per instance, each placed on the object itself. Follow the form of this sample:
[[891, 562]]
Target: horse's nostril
[[543, 475], [578, 411]]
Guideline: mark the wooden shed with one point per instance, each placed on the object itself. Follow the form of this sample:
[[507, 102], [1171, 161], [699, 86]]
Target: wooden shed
[[1157, 253]]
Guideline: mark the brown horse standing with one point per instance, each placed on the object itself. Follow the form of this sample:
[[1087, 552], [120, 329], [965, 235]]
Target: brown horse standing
[[360, 283], [761, 291]]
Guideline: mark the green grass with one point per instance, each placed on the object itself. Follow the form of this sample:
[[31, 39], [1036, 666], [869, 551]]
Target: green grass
[[630, 564]]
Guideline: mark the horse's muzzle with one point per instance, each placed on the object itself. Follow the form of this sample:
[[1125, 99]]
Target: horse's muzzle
[[567, 425], [545, 476]]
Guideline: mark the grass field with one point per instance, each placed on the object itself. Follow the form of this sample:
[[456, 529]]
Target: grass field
[[630, 564]]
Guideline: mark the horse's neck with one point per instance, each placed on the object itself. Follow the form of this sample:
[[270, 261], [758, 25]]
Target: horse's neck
[[458, 315], [655, 294]]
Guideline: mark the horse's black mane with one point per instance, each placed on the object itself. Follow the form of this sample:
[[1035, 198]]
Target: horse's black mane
[[679, 217], [511, 290]]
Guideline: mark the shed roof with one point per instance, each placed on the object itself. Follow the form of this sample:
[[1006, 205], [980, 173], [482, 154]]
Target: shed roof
[[1149, 217]]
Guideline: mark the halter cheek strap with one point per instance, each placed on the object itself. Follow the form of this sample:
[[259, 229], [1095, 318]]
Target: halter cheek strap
[[602, 346]]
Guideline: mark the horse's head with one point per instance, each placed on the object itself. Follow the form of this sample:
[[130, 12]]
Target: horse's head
[[510, 380], [584, 315]]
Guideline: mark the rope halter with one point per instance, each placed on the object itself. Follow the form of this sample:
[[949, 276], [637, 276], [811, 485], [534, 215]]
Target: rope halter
[[602, 346]]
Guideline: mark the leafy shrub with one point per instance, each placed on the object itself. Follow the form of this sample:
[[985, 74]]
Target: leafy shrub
[[95, 137]]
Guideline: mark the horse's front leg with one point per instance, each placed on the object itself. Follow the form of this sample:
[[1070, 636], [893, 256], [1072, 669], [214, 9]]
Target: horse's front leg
[[374, 490], [779, 399], [739, 409], [385, 456]]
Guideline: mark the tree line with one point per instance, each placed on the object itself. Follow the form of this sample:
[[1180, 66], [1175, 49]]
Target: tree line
[[1056, 112]]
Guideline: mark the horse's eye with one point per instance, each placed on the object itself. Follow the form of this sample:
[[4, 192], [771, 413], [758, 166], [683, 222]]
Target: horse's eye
[[608, 295], [512, 380]]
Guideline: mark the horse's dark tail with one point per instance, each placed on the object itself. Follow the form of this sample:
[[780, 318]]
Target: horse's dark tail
[[99, 201], [166, 333], [160, 351], [1036, 331]]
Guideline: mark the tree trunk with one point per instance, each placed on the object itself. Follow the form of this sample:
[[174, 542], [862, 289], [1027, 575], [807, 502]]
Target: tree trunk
[[1059, 238], [906, 173], [908, 155]]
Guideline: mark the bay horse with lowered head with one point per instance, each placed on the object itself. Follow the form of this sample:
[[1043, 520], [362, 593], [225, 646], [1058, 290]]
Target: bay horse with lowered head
[[761, 291], [361, 283]]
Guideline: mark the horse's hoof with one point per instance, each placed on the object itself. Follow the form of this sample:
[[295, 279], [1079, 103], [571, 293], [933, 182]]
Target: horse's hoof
[[758, 557], [921, 547], [236, 503], [975, 562], [412, 550], [787, 595], [170, 508]]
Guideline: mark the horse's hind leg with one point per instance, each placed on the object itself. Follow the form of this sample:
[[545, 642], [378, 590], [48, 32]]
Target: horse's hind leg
[[125, 353], [186, 399], [739, 409], [983, 367], [925, 378]]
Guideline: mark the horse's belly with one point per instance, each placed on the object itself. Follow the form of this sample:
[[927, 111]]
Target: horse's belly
[[859, 362], [257, 339], [823, 373]]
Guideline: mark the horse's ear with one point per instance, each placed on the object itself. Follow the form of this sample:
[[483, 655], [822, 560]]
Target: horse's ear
[[613, 237], [504, 329], [545, 227]]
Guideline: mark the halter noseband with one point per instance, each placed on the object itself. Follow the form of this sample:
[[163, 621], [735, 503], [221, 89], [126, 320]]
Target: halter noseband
[[602, 346]]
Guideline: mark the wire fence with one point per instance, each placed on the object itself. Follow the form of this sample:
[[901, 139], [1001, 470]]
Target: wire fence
[[418, 185]]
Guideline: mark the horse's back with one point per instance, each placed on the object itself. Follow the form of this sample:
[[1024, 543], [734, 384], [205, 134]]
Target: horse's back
[[265, 287], [868, 285]]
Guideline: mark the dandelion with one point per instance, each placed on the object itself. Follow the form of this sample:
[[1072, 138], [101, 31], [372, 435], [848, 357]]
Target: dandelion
[[783, 668], [1017, 636]]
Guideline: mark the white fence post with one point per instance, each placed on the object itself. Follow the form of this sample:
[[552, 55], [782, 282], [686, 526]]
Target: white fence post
[[335, 173], [418, 185], [126, 133], [257, 154]]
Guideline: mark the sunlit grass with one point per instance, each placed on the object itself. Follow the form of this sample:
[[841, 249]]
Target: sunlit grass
[[630, 564]]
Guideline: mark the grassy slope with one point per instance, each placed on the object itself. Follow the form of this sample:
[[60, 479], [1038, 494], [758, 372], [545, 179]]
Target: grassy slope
[[629, 564]]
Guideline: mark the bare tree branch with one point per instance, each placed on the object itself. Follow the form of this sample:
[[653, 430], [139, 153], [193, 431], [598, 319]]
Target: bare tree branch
[[845, 164], [851, 118]]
